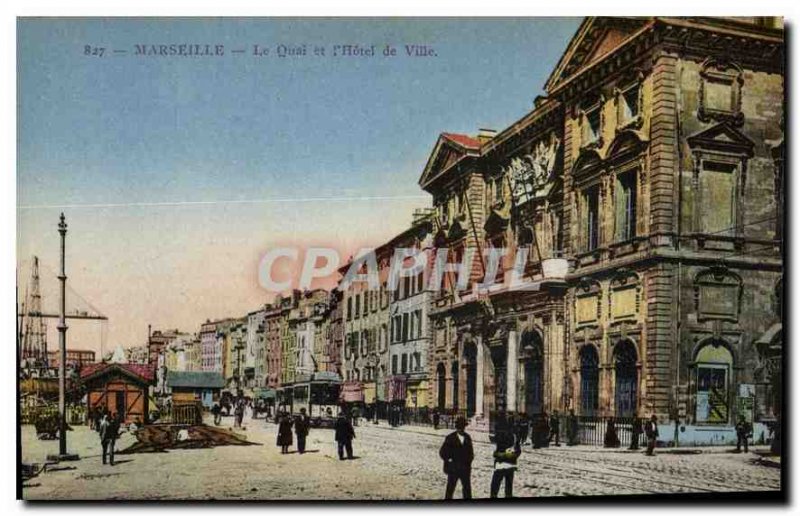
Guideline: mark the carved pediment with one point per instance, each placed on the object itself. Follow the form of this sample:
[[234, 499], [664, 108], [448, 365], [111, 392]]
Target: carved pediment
[[450, 148], [722, 137], [595, 38]]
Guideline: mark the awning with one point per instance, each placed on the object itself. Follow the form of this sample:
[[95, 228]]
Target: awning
[[352, 392], [264, 394], [396, 387], [369, 392]]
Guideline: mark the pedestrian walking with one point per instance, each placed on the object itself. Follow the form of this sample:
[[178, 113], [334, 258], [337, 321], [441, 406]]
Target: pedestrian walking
[[572, 428], [555, 427], [301, 425], [457, 454], [238, 414], [636, 431], [344, 435], [217, 412], [284, 432], [507, 451], [651, 431], [744, 431], [611, 440], [541, 431], [109, 431], [436, 419], [523, 428]]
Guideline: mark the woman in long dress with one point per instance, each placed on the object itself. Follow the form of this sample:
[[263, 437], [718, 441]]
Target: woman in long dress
[[284, 432]]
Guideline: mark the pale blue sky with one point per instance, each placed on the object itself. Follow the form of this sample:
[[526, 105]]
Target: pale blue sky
[[126, 129]]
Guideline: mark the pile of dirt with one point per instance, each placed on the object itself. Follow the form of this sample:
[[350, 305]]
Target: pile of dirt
[[160, 438]]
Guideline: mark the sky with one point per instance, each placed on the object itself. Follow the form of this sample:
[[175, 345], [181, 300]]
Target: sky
[[176, 174]]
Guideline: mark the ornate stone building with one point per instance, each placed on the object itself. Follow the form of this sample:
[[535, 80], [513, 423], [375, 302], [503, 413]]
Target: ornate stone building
[[653, 167]]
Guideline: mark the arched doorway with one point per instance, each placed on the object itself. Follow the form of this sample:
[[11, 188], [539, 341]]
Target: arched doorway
[[590, 376], [532, 358], [713, 370], [441, 382], [625, 388], [471, 366]]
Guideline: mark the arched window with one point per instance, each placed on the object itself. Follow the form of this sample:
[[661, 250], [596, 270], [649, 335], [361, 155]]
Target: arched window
[[713, 366], [531, 357], [589, 380], [625, 392]]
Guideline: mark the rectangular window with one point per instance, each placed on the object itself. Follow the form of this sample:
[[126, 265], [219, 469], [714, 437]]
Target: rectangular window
[[629, 104], [349, 308], [591, 126], [405, 364], [420, 281], [399, 327], [358, 306], [712, 394], [717, 183], [405, 327], [394, 364], [625, 206], [591, 204]]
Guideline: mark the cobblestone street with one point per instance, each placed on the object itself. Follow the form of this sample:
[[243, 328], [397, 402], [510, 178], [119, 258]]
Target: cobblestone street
[[390, 464]]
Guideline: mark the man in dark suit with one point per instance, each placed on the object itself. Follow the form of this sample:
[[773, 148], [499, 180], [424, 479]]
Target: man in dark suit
[[301, 425], [651, 431], [457, 454], [345, 433], [109, 431]]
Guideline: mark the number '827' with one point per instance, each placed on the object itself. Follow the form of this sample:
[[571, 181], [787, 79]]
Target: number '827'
[[89, 50]]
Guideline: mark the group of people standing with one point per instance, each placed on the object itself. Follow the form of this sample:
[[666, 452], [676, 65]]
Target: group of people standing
[[511, 433], [344, 433], [301, 426], [236, 405]]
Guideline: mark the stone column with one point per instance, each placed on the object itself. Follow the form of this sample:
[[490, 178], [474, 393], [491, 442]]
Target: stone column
[[479, 378], [511, 372]]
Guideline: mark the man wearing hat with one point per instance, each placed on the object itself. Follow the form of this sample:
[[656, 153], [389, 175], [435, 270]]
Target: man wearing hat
[[457, 454]]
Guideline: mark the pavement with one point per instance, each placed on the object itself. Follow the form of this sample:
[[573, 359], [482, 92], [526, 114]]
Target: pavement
[[391, 464]]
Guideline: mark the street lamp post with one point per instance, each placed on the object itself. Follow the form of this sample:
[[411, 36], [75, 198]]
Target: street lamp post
[[62, 351]]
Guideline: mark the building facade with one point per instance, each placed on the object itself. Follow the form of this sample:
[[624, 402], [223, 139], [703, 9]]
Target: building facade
[[645, 190]]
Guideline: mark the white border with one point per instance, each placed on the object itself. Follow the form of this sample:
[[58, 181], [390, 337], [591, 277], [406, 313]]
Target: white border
[[15, 8]]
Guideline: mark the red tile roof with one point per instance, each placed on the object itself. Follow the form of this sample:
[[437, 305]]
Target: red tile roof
[[144, 371], [463, 140]]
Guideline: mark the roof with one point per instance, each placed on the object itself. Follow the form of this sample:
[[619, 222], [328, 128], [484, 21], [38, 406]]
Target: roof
[[142, 372], [463, 140], [195, 379]]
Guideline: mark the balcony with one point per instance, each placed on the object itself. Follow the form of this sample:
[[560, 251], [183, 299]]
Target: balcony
[[554, 269]]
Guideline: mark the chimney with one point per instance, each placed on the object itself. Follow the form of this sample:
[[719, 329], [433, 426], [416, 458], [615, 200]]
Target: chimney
[[484, 135]]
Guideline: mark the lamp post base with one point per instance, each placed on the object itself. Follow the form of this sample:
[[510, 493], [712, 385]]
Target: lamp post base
[[58, 457]]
